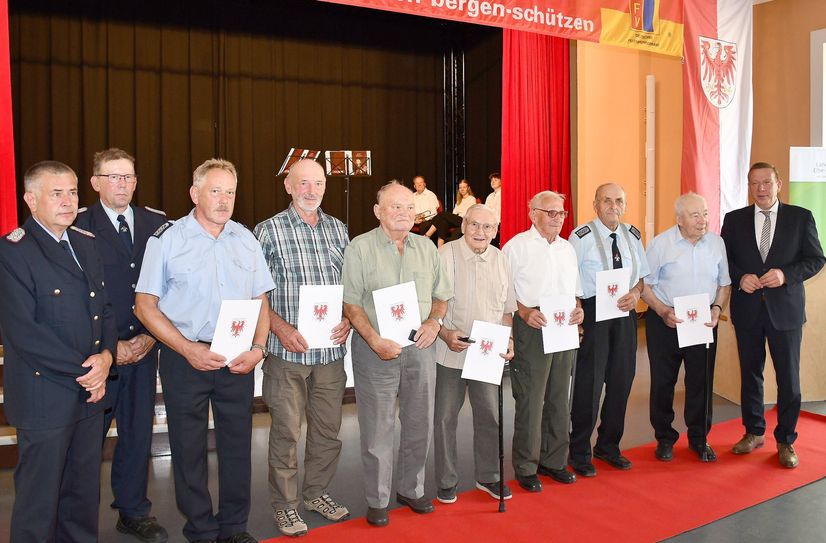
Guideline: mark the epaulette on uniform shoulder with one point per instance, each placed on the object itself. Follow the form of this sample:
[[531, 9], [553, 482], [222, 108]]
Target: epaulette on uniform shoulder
[[82, 231], [633, 230], [15, 235], [582, 232], [163, 228], [153, 210]]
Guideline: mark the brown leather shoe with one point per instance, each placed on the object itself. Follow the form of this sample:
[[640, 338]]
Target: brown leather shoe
[[748, 443], [787, 456]]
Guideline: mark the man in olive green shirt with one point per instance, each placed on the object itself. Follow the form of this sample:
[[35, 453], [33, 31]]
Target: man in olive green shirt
[[383, 370]]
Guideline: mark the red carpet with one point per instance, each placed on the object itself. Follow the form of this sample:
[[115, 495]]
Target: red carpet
[[653, 501]]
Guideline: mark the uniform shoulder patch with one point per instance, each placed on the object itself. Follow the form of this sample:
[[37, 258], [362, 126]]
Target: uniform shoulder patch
[[82, 231], [163, 228], [82, 210], [634, 231], [16, 235], [584, 231], [153, 210]]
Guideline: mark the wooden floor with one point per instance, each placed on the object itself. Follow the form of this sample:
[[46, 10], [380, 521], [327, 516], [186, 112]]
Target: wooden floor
[[794, 517]]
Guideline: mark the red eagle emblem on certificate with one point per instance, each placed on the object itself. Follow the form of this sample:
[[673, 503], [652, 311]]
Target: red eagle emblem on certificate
[[692, 314], [320, 312], [397, 311], [237, 327], [612, 289], [485, 346], [559, 318]]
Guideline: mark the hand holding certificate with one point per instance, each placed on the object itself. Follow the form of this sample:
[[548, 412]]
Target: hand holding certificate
[[695, 313], [483, 361], [611, 286], [558, 335], [397, 312], [235, 328], [319, 311]]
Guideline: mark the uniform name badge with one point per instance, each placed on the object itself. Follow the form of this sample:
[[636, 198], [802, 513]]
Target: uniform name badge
[[319, 311], [611, 286], [235, 328]]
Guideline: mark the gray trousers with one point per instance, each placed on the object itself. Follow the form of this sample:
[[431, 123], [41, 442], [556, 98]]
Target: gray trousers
[[410, 378], [292, 391], [484, 401], [541, 385]]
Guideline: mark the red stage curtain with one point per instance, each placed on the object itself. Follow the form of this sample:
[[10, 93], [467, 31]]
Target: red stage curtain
[[536, 150], [8, 193]]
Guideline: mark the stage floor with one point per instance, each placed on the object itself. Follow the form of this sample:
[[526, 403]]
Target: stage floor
[[794, 517]]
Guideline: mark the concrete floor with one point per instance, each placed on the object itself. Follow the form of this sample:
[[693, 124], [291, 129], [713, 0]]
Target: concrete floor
[[793, 517]]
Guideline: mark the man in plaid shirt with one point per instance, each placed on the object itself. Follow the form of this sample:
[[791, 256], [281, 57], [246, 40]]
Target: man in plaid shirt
[[303, 246]]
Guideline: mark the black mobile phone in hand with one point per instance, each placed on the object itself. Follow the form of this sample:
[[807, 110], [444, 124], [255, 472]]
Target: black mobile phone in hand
[[467, 339], [412, 335]]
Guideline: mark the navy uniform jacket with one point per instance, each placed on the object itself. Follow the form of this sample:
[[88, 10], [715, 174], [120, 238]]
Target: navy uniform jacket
[[53, 317], [795, 249], [121, 269]]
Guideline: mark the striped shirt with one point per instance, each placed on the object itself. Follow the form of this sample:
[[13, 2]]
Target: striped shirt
[[299, 254]]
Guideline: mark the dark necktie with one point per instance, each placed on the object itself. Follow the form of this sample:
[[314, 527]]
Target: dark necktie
[[124, 233], [66, 247], [615, 254]]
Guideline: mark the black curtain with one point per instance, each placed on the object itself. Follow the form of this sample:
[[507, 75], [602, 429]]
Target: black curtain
[[175, 83]]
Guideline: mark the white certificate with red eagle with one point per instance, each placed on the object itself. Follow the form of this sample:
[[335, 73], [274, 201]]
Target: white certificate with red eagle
[[397, 312], [235, 328], [483, 361], [558, 335], [694, 311], [319, 311], [611, 286]]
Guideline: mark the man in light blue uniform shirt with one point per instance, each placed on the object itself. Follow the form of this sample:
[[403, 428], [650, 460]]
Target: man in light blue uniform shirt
[[686, 259], [609, 348], [189, 267]]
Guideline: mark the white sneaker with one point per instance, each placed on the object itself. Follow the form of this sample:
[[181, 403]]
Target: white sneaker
[[289, 523], [328, 508]]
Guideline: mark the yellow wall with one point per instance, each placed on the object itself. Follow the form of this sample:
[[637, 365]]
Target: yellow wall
[[610, 109]]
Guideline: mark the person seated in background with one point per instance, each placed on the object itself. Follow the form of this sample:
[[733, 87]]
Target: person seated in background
[[444, 221], [426, 203]]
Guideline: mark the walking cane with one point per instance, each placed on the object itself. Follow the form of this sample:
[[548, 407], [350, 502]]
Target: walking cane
[[501, 452], [706, 407]]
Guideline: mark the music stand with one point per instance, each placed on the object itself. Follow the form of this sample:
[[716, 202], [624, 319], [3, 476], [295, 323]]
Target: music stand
[[294, 156], [348, 164]]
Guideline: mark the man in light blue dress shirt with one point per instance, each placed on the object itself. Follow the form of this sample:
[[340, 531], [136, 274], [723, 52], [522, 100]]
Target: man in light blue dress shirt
[[609, 348], [686, 259], [189, 268]]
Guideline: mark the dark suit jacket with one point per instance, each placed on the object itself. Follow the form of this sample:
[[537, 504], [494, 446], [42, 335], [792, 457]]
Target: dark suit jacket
[[795, 250], [121, 269], [53, 317]]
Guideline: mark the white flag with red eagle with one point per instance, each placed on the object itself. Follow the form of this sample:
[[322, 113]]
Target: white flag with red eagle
[[717, 103]]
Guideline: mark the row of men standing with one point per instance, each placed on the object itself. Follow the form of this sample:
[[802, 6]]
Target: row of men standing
[[209, 254]]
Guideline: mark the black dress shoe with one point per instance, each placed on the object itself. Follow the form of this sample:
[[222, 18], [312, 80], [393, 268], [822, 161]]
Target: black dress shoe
[[418, 505], [618, 461], [243, 537], [664, 452], [377, 516], [704, 452], [146, 529], [586, 469], [559, 475], [531, 483]]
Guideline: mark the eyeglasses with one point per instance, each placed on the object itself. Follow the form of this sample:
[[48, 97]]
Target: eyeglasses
[[552, 213], [486, 228], [114, 178]]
